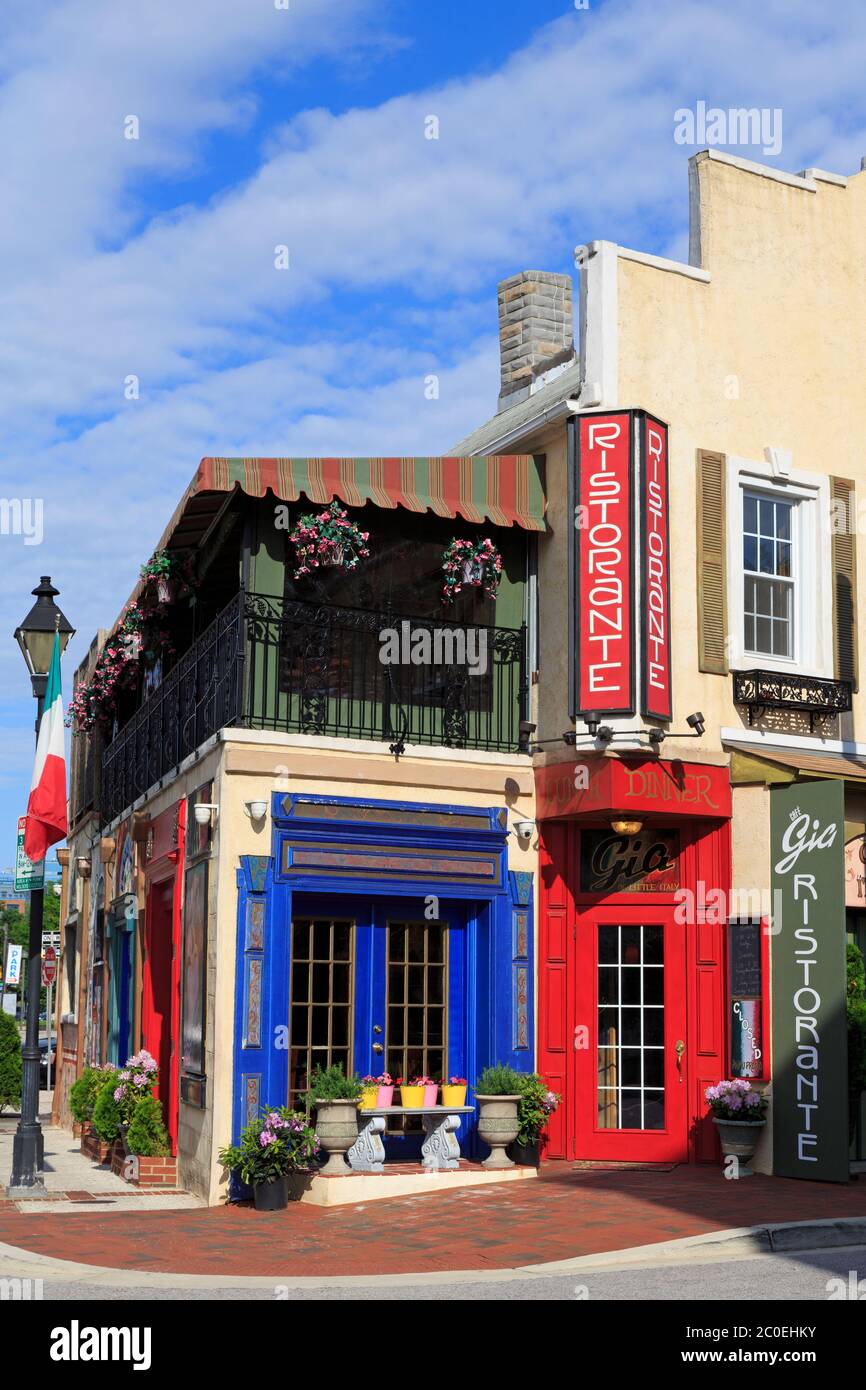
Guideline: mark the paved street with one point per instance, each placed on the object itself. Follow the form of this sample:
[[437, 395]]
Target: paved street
[[801, 1277]]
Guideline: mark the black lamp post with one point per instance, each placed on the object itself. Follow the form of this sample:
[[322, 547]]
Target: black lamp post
[[35, 637]]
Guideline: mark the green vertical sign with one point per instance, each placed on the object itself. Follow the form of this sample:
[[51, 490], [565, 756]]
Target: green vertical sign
[[810, 1044]]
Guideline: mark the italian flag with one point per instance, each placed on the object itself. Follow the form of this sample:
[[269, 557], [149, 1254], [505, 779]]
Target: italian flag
[[46, 809]]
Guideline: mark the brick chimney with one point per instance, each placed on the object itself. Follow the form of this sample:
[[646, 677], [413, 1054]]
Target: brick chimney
[[535, 329]]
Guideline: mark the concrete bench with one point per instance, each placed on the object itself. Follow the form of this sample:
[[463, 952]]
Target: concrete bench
[[439, 1148]]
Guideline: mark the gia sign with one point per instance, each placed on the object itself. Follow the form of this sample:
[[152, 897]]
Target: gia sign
[[810, 1045]]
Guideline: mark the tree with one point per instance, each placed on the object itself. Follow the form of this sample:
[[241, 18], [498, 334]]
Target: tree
[[10, 1062]]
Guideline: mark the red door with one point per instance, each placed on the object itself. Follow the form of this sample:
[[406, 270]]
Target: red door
[[631, 1092], [157, 1012]]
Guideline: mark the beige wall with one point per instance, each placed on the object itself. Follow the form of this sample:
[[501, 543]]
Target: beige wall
[[247, 766]]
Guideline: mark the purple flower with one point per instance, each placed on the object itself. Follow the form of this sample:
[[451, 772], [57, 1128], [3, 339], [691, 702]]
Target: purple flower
[[266, 1137], [120, 1093]]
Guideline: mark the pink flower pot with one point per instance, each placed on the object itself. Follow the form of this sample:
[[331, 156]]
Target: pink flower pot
[[430, 1094], [384, 1096]]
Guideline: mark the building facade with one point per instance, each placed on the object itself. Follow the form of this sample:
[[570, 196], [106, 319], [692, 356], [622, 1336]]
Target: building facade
[[563, 854], [705, 486], [301, 852]]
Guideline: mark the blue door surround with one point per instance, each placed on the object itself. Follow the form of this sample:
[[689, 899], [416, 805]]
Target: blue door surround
[[383, 853]]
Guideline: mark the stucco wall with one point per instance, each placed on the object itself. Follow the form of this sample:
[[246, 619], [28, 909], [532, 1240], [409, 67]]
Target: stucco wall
[[770, 352], [253, 765]]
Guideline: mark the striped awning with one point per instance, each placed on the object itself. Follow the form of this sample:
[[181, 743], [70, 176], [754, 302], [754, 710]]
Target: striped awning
[[504, 489]]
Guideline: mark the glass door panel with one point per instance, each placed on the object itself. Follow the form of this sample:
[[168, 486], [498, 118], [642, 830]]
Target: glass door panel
[[321, 1022], [630, 1033], [416, 1041]]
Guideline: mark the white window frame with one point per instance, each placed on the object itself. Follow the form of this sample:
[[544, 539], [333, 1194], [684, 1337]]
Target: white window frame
[[812, 567]]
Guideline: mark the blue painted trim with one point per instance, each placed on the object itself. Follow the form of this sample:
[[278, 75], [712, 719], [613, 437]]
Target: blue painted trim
[[489, 958]]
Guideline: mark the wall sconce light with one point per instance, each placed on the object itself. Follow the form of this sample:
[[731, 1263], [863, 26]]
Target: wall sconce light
[[622, 825], [205, 812], [524, 829], [256, 810], [82, 863]]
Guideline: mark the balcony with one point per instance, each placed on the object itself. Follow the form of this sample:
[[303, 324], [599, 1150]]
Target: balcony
[[313, 668], [813, 695]]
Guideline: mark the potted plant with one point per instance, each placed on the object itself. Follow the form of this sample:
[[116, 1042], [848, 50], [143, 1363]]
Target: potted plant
[[328, 539], [274, 1151], [454, 1091], [470, 565], [369, 1092], [335, 1098], [856, 1019], [537, 1104], [411, 1094], [429, 1087], [497, 1091], [385, 1095], [147, 1136], [136, 1080], [739, 1113]]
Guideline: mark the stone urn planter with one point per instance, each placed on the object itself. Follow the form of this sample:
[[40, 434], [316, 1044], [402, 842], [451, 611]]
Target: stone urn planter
[[337, 1129], [739, 1139], [498, 1126]]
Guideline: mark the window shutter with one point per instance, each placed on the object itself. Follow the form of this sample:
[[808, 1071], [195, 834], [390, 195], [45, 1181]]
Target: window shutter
[[844, 581], [712, 564]]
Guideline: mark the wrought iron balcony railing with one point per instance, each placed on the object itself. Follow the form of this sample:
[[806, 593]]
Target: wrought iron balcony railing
[[813, 695], [314, 669]]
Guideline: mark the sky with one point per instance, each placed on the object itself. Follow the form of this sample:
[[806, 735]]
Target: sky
[[304, 124]]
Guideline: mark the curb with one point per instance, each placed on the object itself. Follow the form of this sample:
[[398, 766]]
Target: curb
[[733, 1243]]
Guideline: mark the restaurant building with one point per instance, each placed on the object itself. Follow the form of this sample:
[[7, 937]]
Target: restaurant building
[[313, 836], [703, 478], [297, 851]]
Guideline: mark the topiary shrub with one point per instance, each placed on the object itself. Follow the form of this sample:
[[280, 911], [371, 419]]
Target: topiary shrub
[[147, 1135], [856, 1011], [83, 1094], [499, 1081], [10, 1062], [106, 1114]]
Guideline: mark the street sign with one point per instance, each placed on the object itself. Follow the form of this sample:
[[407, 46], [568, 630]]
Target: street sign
[[28, 875], [13, 965], [49, 966], [50, 938]]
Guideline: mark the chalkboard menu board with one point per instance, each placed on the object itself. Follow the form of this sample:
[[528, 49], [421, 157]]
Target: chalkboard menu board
[[744, 944], [745, 990]]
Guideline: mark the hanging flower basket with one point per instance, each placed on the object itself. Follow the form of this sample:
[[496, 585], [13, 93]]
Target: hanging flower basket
[[471, 565], [170, 573], [328, 540]]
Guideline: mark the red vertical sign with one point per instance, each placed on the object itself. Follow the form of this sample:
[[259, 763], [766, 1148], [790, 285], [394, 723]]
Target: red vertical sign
[[604, 680], [655, 588]]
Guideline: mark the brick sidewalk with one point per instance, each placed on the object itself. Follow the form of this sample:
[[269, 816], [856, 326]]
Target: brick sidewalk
[[569, 1211]]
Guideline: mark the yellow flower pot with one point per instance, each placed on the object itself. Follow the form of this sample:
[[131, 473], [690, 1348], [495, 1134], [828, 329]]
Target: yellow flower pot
[[412, 1097], [454, 1095], [368, 1097]]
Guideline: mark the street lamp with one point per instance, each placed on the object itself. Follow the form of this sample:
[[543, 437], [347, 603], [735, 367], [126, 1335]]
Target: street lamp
[[35, 637]]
